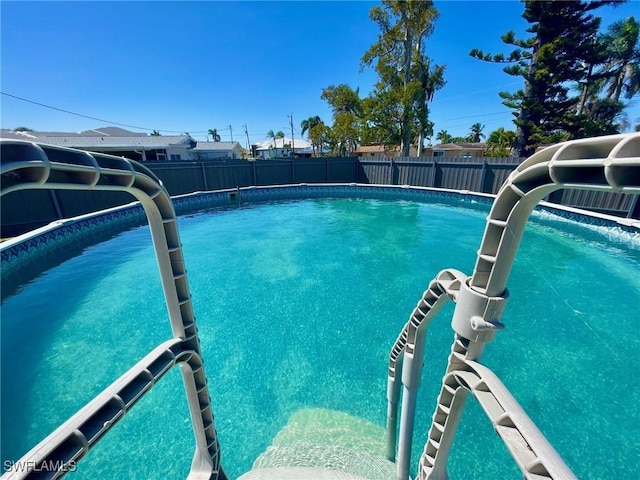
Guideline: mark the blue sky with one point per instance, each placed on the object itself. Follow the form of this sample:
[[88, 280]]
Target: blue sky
[[192, 66]]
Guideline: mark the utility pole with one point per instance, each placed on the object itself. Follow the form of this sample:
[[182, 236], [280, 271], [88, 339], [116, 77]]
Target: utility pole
[[246, 132], [293, 144], [230, 128]]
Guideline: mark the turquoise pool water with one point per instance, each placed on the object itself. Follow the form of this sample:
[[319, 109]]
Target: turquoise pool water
[[298, 304]]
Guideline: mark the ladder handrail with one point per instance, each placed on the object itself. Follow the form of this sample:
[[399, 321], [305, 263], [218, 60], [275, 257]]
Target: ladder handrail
[[29, 165], [410, 344], [609, 163]]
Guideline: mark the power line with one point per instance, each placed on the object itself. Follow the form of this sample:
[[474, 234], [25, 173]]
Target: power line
[[474, 116], [446, 99], [89, 116]]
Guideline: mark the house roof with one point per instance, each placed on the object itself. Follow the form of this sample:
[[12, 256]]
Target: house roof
[[370, 149], [111, 132], [96, 139], [117, 142], [299, 143], [215, 146], [97, 132], [460, 146]]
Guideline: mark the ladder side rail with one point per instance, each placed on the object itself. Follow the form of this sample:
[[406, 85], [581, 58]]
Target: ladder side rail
[[528, 446], [606, 163], [28, 165], [73, 439], [444, 287]]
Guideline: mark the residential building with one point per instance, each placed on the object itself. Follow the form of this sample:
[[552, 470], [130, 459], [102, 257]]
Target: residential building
[[117, 141], [282, 147], [216, 150], [457, 150]]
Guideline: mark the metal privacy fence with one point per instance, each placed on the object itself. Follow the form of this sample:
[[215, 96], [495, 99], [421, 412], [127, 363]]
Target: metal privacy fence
[[25, 210]]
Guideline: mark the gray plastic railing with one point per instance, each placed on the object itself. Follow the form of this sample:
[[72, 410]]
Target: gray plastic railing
[[26, 165], [606, 163]]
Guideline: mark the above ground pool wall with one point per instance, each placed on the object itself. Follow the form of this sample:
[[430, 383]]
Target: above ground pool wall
[[25, 210]]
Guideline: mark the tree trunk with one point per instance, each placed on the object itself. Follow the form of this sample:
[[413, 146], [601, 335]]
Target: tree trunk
[[619, 83], [405, 127]]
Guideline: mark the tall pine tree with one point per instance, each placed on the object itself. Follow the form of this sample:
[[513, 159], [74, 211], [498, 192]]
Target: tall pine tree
[[562, 43]]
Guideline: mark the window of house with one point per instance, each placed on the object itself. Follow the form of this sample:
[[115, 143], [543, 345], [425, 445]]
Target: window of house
[[176, 156], [438, 153]]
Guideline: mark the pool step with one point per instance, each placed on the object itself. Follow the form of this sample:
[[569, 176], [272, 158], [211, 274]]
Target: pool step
[[324, 444], [298, 473]]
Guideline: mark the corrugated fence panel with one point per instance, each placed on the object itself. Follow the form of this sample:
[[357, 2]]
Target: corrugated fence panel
[[342, 170], [26, 210], [606, 202], [418, 173], [220, 176], [79, 202], [375, 171], [273, 172], [515, 161], [311, 170], [458, 176], [179, 177], [495, 175]]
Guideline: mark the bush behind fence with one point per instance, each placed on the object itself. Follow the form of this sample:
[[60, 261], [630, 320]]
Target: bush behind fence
[[25, 210]]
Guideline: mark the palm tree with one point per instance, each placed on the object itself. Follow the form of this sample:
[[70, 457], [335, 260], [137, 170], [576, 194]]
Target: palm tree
[[309, 123], [444, 137], [431, 80], [622, 70], [214, 135], [272, 136], [318, 135], [275, 136], [476, 132], [155, 133], [500, 142]]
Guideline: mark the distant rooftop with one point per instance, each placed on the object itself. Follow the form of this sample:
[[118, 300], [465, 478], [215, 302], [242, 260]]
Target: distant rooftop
[[106, 137], [461, 146], [213, 146]]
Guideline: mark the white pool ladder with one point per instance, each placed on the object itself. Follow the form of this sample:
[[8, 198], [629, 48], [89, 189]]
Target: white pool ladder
[[609, 163], [27, 165]]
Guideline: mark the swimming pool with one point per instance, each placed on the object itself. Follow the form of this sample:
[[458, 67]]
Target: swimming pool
[[298, 304]]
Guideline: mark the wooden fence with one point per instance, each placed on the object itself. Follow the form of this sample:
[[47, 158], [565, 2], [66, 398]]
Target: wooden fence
[[25, 210]]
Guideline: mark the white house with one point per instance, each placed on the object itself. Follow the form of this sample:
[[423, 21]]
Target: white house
[[282, 147], [117, 141], [216, 150]]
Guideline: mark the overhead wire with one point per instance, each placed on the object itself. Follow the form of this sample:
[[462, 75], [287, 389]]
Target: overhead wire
[[223, 129]]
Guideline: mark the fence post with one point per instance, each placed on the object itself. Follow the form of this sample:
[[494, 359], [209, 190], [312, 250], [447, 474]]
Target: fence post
[[356, 169], [204, 176], [390, 180], [326, 169], [633, 205], [434, 167], [253, 172], [58, 209], [293, 171], [483, 174]]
